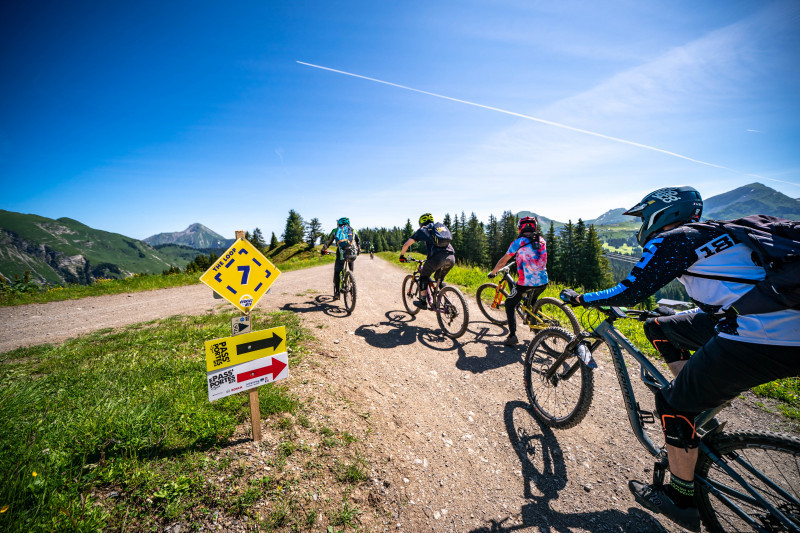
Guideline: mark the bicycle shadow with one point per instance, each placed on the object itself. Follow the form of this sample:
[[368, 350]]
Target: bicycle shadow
[[544, 475], [496, 354], [322, 303], [401, 332]]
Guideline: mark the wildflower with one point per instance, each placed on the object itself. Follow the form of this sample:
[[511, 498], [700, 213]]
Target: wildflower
[[35, 474], [4, 509]]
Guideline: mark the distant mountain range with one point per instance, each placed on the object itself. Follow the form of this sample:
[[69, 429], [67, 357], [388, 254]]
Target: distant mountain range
[[195, 236], [67, 251]]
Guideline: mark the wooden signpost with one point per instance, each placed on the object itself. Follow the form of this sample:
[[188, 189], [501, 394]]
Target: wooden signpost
[[247, 359]]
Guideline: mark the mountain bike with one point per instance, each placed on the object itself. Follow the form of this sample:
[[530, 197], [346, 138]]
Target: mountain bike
[[372, 255], [746, 480], [447, 302], [347, 286], [538, 315]]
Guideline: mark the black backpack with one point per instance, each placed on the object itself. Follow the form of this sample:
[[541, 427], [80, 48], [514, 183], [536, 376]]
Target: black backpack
[[440, 234], [775, 243]]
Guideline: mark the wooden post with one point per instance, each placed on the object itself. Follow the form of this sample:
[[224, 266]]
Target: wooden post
[[255, 410]]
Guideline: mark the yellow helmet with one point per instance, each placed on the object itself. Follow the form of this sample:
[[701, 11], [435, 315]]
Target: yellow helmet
[[427, 218]]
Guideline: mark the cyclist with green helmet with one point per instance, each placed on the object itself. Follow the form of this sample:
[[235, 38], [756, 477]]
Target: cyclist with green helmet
[[441, 255], [347, 244]]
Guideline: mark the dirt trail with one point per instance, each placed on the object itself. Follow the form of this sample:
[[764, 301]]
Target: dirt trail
[[453, 446]]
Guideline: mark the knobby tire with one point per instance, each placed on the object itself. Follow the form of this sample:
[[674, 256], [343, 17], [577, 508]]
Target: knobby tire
[[454, 318], [349, 292], [562, 404], [410, 290], [773, 454], [486, 296]]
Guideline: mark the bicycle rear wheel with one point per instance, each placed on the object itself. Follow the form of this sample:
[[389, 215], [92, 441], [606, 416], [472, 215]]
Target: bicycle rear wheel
[[452, 312], [349, 291], [769, 462], [562, 400], [410, 290], [556, 313], [491, 301]]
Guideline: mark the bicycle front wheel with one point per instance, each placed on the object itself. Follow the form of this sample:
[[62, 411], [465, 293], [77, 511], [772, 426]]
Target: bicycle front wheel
[[410, 290], [452, 312], [349, 291], [563, 399], [770, 463], [491, 301], [554, 312]]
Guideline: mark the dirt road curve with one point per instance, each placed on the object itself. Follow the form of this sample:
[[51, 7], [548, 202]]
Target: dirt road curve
[[454, 447]]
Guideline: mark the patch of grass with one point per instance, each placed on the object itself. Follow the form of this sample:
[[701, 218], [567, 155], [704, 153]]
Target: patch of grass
[[127, 410]]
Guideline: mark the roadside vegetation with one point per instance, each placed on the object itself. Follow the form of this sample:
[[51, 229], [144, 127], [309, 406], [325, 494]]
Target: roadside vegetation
[[114, 431]]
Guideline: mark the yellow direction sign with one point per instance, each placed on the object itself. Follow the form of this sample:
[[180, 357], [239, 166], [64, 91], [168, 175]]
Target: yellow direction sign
[[230, 351], [246, 361], [242, 275]]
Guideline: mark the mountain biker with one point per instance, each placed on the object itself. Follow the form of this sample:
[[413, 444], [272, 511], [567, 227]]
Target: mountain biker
[[734, 353], [441, 256], [530, 251], [345, 237]]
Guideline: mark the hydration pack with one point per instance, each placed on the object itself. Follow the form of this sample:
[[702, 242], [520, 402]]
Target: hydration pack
[[775, 245], [344, 240], [440, 234]]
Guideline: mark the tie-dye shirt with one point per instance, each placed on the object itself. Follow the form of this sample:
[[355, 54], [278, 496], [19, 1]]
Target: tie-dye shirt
[[531, 261]]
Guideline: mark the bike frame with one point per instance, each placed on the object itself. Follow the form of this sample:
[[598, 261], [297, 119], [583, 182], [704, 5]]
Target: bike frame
[[654, 380], [433, 288]]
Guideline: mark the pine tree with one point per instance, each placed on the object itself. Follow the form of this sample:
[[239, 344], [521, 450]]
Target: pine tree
[[494, 248], [273, 242], [474, 242], [257, 239], [553, 250], [565, 255], [313, 232], [595, 272], [293, 233], [508, 229]]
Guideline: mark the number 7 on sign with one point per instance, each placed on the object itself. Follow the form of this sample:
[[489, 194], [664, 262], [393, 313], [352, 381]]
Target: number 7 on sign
[[245, 270]]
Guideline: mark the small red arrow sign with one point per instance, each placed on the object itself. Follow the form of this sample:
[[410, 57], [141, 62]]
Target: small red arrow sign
[[275, 367]]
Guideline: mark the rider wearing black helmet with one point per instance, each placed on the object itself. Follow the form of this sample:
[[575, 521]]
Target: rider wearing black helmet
[[530, 251], [347, 244], [734, 353], [441, 255]]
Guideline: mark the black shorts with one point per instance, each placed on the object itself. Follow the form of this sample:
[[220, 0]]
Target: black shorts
[[440, 263], [721, 368]]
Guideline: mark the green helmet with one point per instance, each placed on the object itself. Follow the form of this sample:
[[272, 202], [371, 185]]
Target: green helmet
[[427, 218], [342, 221]]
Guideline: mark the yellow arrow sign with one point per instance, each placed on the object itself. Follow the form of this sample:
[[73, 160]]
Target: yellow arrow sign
[[242, 275], [230, 351]]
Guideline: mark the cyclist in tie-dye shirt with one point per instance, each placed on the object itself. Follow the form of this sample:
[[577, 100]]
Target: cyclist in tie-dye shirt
[[530, 250]]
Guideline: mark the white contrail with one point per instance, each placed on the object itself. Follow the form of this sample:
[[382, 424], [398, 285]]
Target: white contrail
[[543, 121]]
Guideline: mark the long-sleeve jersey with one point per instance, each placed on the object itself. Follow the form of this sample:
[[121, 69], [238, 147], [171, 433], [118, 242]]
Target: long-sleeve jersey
[[710, 251]]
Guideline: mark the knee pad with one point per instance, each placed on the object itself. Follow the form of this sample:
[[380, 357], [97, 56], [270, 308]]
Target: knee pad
[[655, 334], [678, 426]]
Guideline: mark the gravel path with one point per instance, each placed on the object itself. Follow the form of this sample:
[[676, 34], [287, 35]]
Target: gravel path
[[453, 445]]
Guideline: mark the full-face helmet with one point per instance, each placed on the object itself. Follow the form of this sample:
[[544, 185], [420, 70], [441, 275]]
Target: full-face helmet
[[527, 225], [664, 207]]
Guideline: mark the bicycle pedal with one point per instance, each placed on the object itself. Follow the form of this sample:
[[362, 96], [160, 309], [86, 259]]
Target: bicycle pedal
[[645, 417]]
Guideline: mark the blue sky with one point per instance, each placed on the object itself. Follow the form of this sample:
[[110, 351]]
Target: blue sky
[[144, 117]]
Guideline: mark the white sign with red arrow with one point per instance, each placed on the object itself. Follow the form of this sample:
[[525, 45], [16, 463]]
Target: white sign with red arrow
[[243, 362]]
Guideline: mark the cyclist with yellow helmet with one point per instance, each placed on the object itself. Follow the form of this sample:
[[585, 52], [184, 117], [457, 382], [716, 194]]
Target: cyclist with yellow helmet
[[441, 255], [347, 244]]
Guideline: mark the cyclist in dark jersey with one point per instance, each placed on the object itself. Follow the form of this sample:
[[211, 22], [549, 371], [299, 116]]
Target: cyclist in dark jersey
[[530, 253], [346, 253], [440, 258], [734, 353]]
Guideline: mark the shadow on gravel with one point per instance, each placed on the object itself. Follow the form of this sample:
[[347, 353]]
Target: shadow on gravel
[[323, 303], [496, 354], [544, 474], [402, 332]]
